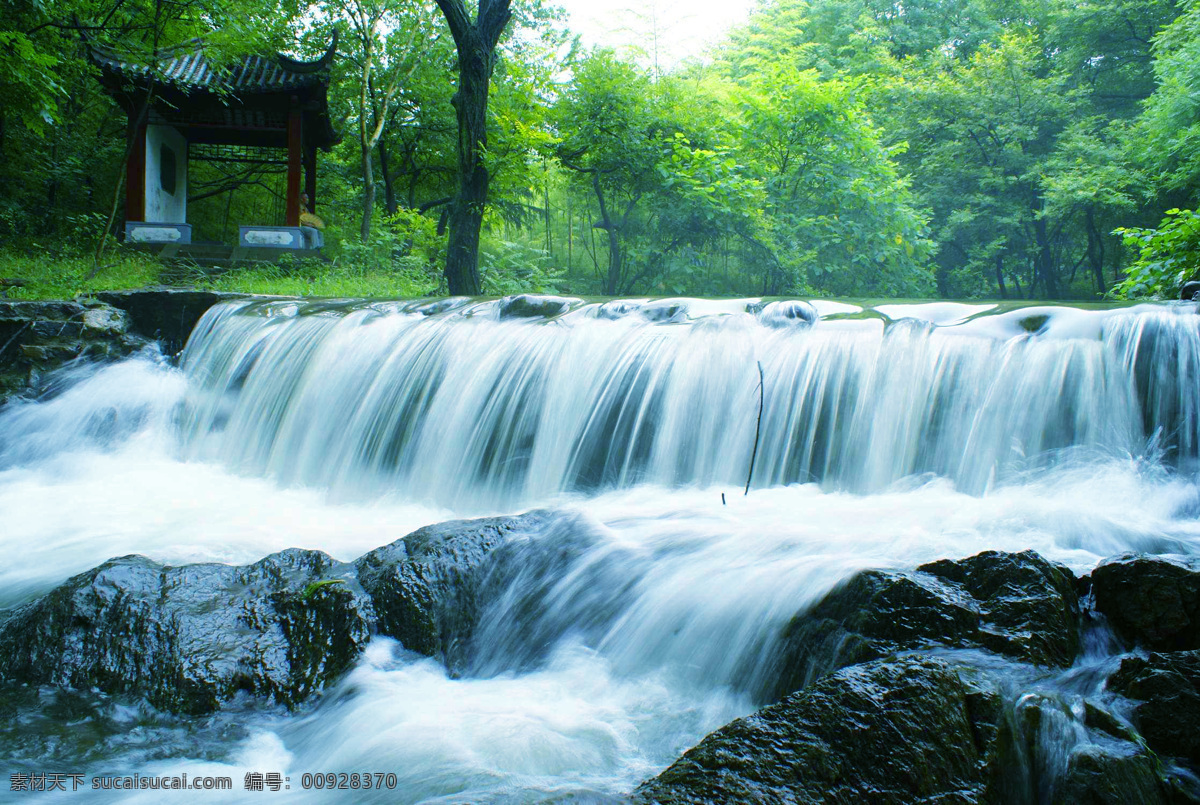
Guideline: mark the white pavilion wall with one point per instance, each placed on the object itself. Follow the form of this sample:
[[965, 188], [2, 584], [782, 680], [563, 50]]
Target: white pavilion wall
[[162, 205]]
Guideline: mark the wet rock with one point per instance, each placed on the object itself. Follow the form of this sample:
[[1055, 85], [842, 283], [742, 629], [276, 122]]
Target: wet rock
[[1189, 291], [1018, 605], [893, 731], [1030, 605], [617, 308], [105, 321], [166, 315], [662, 311], [1097, 718], [529, 306], [1113, 774], [788, 313], [38, 337], [188, 638], [1166, 689], [426, 587], [1153, 601]]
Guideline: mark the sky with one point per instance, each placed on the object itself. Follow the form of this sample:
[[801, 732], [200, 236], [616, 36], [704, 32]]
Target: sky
[[684, 28]]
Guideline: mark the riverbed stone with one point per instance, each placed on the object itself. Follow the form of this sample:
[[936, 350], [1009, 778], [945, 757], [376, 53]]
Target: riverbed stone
[[38, 337], [1166, 690], [1151, 601], [533, 306], [165, 314], [189, 638], [427, 587], [1115, 773], [889, 731], [1015, 604]]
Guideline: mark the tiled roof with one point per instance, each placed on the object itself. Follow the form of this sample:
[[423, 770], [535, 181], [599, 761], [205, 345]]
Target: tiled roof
[[187, 67]]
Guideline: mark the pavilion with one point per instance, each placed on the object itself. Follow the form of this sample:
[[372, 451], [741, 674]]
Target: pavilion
[[266, 110]]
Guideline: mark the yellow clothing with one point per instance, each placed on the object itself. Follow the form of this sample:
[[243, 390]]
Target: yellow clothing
[[309, 219]]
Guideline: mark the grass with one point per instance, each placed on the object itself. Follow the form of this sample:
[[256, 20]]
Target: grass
[[49, 276], [315, 278], [54, 277]]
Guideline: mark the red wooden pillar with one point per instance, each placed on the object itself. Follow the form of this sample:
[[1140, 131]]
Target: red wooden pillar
[[135, 175], [293, 167]]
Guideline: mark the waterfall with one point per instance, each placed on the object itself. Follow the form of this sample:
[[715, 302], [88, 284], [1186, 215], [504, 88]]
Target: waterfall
[[466, 408], [639, 616]]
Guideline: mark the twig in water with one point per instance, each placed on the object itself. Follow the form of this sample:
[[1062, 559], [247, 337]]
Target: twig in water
[[757, 429]]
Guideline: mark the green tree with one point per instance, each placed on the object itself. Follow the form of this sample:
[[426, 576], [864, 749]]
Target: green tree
[[663, 180], [842, 214], [388, 41], [1168, 142]]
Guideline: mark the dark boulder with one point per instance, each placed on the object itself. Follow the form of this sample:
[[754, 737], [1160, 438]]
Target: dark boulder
[[188, 638], [1030, 606], [1111, 774], [1166, 691], [1153, 601], [426, 588], [529, 306], [892, 731], [166, 315], [1018, 605]]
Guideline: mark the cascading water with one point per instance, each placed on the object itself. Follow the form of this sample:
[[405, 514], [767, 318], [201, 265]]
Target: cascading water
[[459, 407], [635, 620]]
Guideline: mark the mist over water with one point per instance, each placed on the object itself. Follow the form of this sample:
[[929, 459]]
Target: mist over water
[[635, 620]]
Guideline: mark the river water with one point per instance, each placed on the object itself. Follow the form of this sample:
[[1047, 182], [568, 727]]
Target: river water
[[888, 437]]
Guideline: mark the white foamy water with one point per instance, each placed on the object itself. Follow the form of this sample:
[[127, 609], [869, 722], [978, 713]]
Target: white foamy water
[[638, 618]]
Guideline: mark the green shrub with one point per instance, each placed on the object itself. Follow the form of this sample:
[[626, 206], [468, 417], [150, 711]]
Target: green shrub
[[1167, 257]]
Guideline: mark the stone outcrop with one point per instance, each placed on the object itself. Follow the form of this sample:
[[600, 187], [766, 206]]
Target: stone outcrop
[[1151, 601], [1166, 692], [426, 587], [891, 731], [1113, 774], [1018, 605], [166, 315], [189, 638], [38, 337], [533, 306]]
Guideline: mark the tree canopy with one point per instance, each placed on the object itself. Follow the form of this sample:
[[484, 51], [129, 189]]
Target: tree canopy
[[958, 148]]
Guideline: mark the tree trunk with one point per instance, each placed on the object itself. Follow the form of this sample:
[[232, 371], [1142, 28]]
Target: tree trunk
[[368, 169], [612, 281], [1095, 250], [389, 183], [466, 212], [476, 44], [1045, 261]]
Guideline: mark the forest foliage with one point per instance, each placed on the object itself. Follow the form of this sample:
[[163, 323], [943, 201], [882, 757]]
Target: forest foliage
[[952, 148]]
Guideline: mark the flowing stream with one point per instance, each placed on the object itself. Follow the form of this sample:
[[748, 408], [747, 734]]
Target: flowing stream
[[888, 437]]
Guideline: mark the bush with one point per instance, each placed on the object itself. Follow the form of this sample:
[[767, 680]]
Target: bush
[[507, 267], [1167, 257]]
